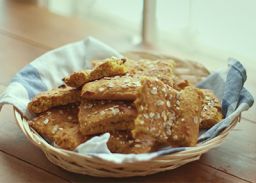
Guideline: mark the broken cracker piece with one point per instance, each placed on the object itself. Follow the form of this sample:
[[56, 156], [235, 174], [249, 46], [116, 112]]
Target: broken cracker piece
[[116, 88], [97, 117], [211, 111], [60, 125], [110, 67], [185, 128], [55, 97]]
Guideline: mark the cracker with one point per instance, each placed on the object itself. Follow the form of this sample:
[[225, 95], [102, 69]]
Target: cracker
[[116, 88], [55, 97], [104, 116], [185, 128], [109, 67], [123, 142], [60, 126], [166, 115], [211, 111]]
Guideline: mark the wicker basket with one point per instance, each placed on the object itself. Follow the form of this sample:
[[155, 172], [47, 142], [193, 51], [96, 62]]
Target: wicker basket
[[93, 166]]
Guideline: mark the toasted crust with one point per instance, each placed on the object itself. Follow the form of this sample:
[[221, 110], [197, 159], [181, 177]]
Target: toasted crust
[[56, 97], [180, 84], [211, 112], [185, 128], [77, 79], [60, 125], [163, 69], [116, 88], [123, 142], [166, 115], [109, 67], [153, 104], [105, 116]]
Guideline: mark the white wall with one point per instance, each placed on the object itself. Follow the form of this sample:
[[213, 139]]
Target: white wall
[[193, 28]]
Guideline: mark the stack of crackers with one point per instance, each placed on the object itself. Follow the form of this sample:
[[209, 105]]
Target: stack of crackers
[[140, 103]]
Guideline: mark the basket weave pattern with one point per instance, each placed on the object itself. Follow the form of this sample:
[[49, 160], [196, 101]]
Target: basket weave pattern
[[93, 166]]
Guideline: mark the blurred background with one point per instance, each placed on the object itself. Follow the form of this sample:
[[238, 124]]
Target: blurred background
[[192, 28]]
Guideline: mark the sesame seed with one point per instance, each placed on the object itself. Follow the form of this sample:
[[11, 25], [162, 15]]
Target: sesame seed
[[159, 103], [153, 91], [130, 141], [141, 108], [136, 83], [178, 95], [196, 120], [115, 111], [153, 129], [141, 122], [48, 113], [168, 130], [55, 129], [46, 121], [151, 115], [101, 89], [102, 113], [60, 129], [88, 106], [164, 115], [168, 103], [146, 116], [61, 112], [164, 90], [110, 85], [137, 145], [137, 140], [157, 116], [129, 107], [178, 102], [182, 119], [127, 80], [70, 117], [175, 137]]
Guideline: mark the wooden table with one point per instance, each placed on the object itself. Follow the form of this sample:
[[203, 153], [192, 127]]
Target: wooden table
[[27, 31]]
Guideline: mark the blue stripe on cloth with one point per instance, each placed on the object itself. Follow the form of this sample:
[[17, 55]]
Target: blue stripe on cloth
[[246, 97], [29, 77], [234, 83], [170, 150]]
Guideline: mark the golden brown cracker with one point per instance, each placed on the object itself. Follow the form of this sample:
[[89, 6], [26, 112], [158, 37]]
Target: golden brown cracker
[[104, 116], [60, 125], [123, 142], [109, 67], [116, 88], [185, 128], [154, 104], [55, 97], [211, 111]]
